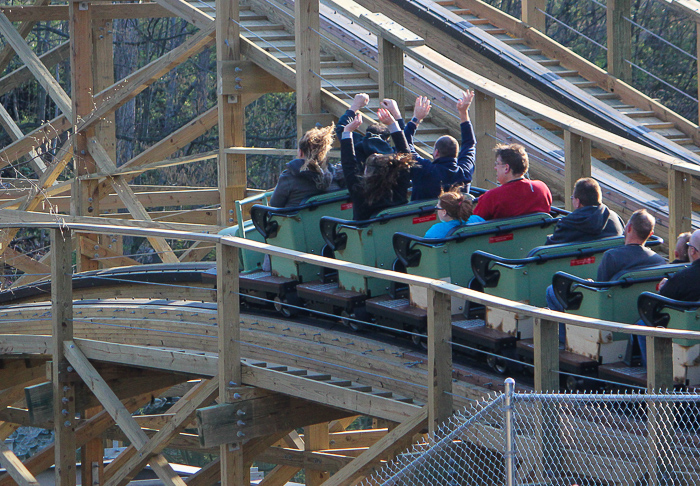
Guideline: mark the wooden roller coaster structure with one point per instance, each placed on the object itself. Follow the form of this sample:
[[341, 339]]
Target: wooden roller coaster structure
[[271, 377]]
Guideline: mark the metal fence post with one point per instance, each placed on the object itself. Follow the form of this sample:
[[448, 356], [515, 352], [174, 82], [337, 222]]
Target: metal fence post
[[509, 453]]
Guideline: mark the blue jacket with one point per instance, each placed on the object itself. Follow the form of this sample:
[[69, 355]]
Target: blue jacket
[[368, 144], [430, 177]]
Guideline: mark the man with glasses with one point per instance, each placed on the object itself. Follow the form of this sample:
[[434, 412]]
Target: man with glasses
[[685, 285], [516, 195]]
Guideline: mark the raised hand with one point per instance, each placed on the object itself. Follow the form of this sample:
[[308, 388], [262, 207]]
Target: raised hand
[[392, 106], [421, 108], [385, 117], [464, 103], [360, 101], [354, 124]]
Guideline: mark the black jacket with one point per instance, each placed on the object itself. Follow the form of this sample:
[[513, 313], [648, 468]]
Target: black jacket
[[295, 185], [684, 285], [587, 223], [353, 170], [368, 144]]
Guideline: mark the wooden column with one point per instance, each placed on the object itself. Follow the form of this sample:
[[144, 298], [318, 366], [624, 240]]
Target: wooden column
[[439, 358], [316, 438], [232, 167], [660, 415], [619, 38], [679, 207], [85, 198], [532, 14], [308, 62], [105, 129], [391, 73], [234, 470], [484, 123], [577, 154], [62, 329], [659, 364], [546, 341]]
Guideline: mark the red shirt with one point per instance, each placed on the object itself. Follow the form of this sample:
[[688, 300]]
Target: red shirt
[[515, 198]]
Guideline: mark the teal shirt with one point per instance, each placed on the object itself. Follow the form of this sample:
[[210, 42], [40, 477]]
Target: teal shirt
[[441, 229]]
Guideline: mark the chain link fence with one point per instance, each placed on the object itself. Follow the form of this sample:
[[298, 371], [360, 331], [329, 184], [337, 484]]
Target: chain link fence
[[559, 439]]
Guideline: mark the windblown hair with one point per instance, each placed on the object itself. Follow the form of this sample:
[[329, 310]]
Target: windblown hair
[[314, 147], [456, 203], [515, 156], [642, 223], [587, 191], [380, 130], [382, 173]]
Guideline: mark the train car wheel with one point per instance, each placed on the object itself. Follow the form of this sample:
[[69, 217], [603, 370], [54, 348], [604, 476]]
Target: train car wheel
[[499, 365], [420, 341], [350, 319], [286, 310]]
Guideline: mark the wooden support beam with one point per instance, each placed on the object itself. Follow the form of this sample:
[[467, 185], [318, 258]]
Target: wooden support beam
[[532, 12], [315, 463], [577, 156], [92, 464], [18, 371], [15, 134], [232, 168], [439, 357], [247, 79], [315, 439], [363, 465], [106, 256], [546, 341], [113, 97], [307, 26], [251, 418], [120, 415], [279, 476], [391, 72], [87, 430], [8, 52], [234, 470], [129, 198], [334, 396], [204, 392], [619, 38], [484, 123], [24, 263], [679, 207], [15, 468], [659, 365], [37, 68], [188, 12], [34, 139], [22, 75], [62, 330], [35, 13]]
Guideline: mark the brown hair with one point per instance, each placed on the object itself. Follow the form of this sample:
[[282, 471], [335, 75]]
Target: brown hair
[[642, 223], [379, 129], [456, 204], [314, 147], [382, 172], [515, 156], [446, 146], [587, 191], [682, 246]]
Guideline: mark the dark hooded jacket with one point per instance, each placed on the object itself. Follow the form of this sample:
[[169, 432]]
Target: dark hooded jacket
[[587, 223], [295, 185], [429, 178]]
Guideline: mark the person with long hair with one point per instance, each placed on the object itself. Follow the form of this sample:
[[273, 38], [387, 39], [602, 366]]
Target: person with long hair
[[454, 208], [385, 178], [309, 174]]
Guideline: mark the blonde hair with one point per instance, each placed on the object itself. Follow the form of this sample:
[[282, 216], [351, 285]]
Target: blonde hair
[[314, 147]]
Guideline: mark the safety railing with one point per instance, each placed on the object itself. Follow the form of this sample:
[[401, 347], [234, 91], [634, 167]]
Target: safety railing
[[538, 438]]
